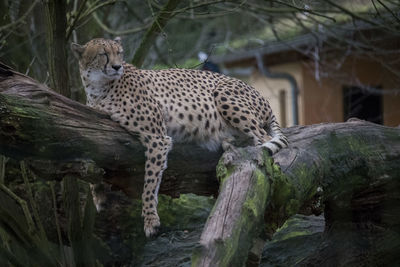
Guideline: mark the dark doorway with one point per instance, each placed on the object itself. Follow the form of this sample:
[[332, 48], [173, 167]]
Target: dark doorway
[[363, 104]]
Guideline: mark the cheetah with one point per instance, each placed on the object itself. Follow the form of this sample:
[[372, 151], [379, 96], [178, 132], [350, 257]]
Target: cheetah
[[173, 105]]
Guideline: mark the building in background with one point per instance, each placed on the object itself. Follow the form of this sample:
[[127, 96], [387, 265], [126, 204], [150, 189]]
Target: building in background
[[357, 87]]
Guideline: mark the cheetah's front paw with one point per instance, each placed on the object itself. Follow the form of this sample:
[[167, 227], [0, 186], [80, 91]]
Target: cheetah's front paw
[[151, 224]]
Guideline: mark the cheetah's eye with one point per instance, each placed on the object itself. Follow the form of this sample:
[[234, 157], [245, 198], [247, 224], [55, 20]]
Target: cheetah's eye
[[102, 54]]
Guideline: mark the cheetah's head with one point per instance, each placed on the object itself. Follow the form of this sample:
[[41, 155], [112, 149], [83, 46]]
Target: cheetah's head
[[100, 59]]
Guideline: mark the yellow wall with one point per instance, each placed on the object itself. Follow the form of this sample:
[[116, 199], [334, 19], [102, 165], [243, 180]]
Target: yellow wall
[[323, 100], [391, 110], [270, 88]]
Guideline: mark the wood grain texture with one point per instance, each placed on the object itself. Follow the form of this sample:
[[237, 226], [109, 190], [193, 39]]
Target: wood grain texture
[[237, 216]]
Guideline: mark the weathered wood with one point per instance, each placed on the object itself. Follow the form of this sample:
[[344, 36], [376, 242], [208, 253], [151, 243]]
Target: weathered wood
[[237, 216], [348, 160], [57, 136]]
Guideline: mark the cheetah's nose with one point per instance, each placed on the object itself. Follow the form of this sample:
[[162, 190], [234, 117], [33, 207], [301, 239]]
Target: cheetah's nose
[[116, 67]]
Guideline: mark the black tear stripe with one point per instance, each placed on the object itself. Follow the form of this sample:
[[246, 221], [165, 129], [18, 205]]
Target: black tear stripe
[[105, 66]]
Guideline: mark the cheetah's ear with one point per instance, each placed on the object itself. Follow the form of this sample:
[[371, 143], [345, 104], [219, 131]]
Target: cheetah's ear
[[117, 39], [77, 49]]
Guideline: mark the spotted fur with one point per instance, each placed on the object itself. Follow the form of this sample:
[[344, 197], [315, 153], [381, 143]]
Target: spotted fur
[[177, 105]]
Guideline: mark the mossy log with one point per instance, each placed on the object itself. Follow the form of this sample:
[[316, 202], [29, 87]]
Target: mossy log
[[236, 219], [351, 169]]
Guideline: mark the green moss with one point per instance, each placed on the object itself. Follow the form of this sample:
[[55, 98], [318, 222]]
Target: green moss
[[22, 110], [254, 200], [185, 212], [229, 249], [19, 107], [249, 223], [298, 238], [288, 193], [350, 145], [294, 234], [351, 163], [283, 192], [251, 207], [304, 183], [262, 182], [354, 171], [223, 172], [188, 212], [298, 225], [233, 249]]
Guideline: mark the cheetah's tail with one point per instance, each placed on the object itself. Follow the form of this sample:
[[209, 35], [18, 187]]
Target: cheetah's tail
[[278, 140]]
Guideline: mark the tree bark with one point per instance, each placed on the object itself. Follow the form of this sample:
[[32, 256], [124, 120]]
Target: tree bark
[[236, 219], [350, 170], [56, 21]]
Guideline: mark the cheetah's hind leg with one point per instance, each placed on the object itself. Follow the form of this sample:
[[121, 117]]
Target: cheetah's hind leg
[[279, 140], [242, 119], [247, 111]]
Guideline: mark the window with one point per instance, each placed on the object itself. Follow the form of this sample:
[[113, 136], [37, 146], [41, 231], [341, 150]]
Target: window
[[365, 104]]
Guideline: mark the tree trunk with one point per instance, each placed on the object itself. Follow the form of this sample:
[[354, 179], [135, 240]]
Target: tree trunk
[[56, 21], [162, 18], [352, 170]]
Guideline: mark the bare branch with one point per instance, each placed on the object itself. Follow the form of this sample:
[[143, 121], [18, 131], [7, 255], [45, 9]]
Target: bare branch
[[75, 18], [296, 9], [123, 32], [159, 22], [356, 16], [21, 19], [389, 10], [92, 8]]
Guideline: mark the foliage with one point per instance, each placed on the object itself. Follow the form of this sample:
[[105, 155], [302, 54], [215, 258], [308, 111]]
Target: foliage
[[297, 239], [212, 26], [30, 228]]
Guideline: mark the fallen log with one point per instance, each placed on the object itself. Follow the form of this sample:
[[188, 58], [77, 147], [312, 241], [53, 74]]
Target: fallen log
[[350, 170]]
